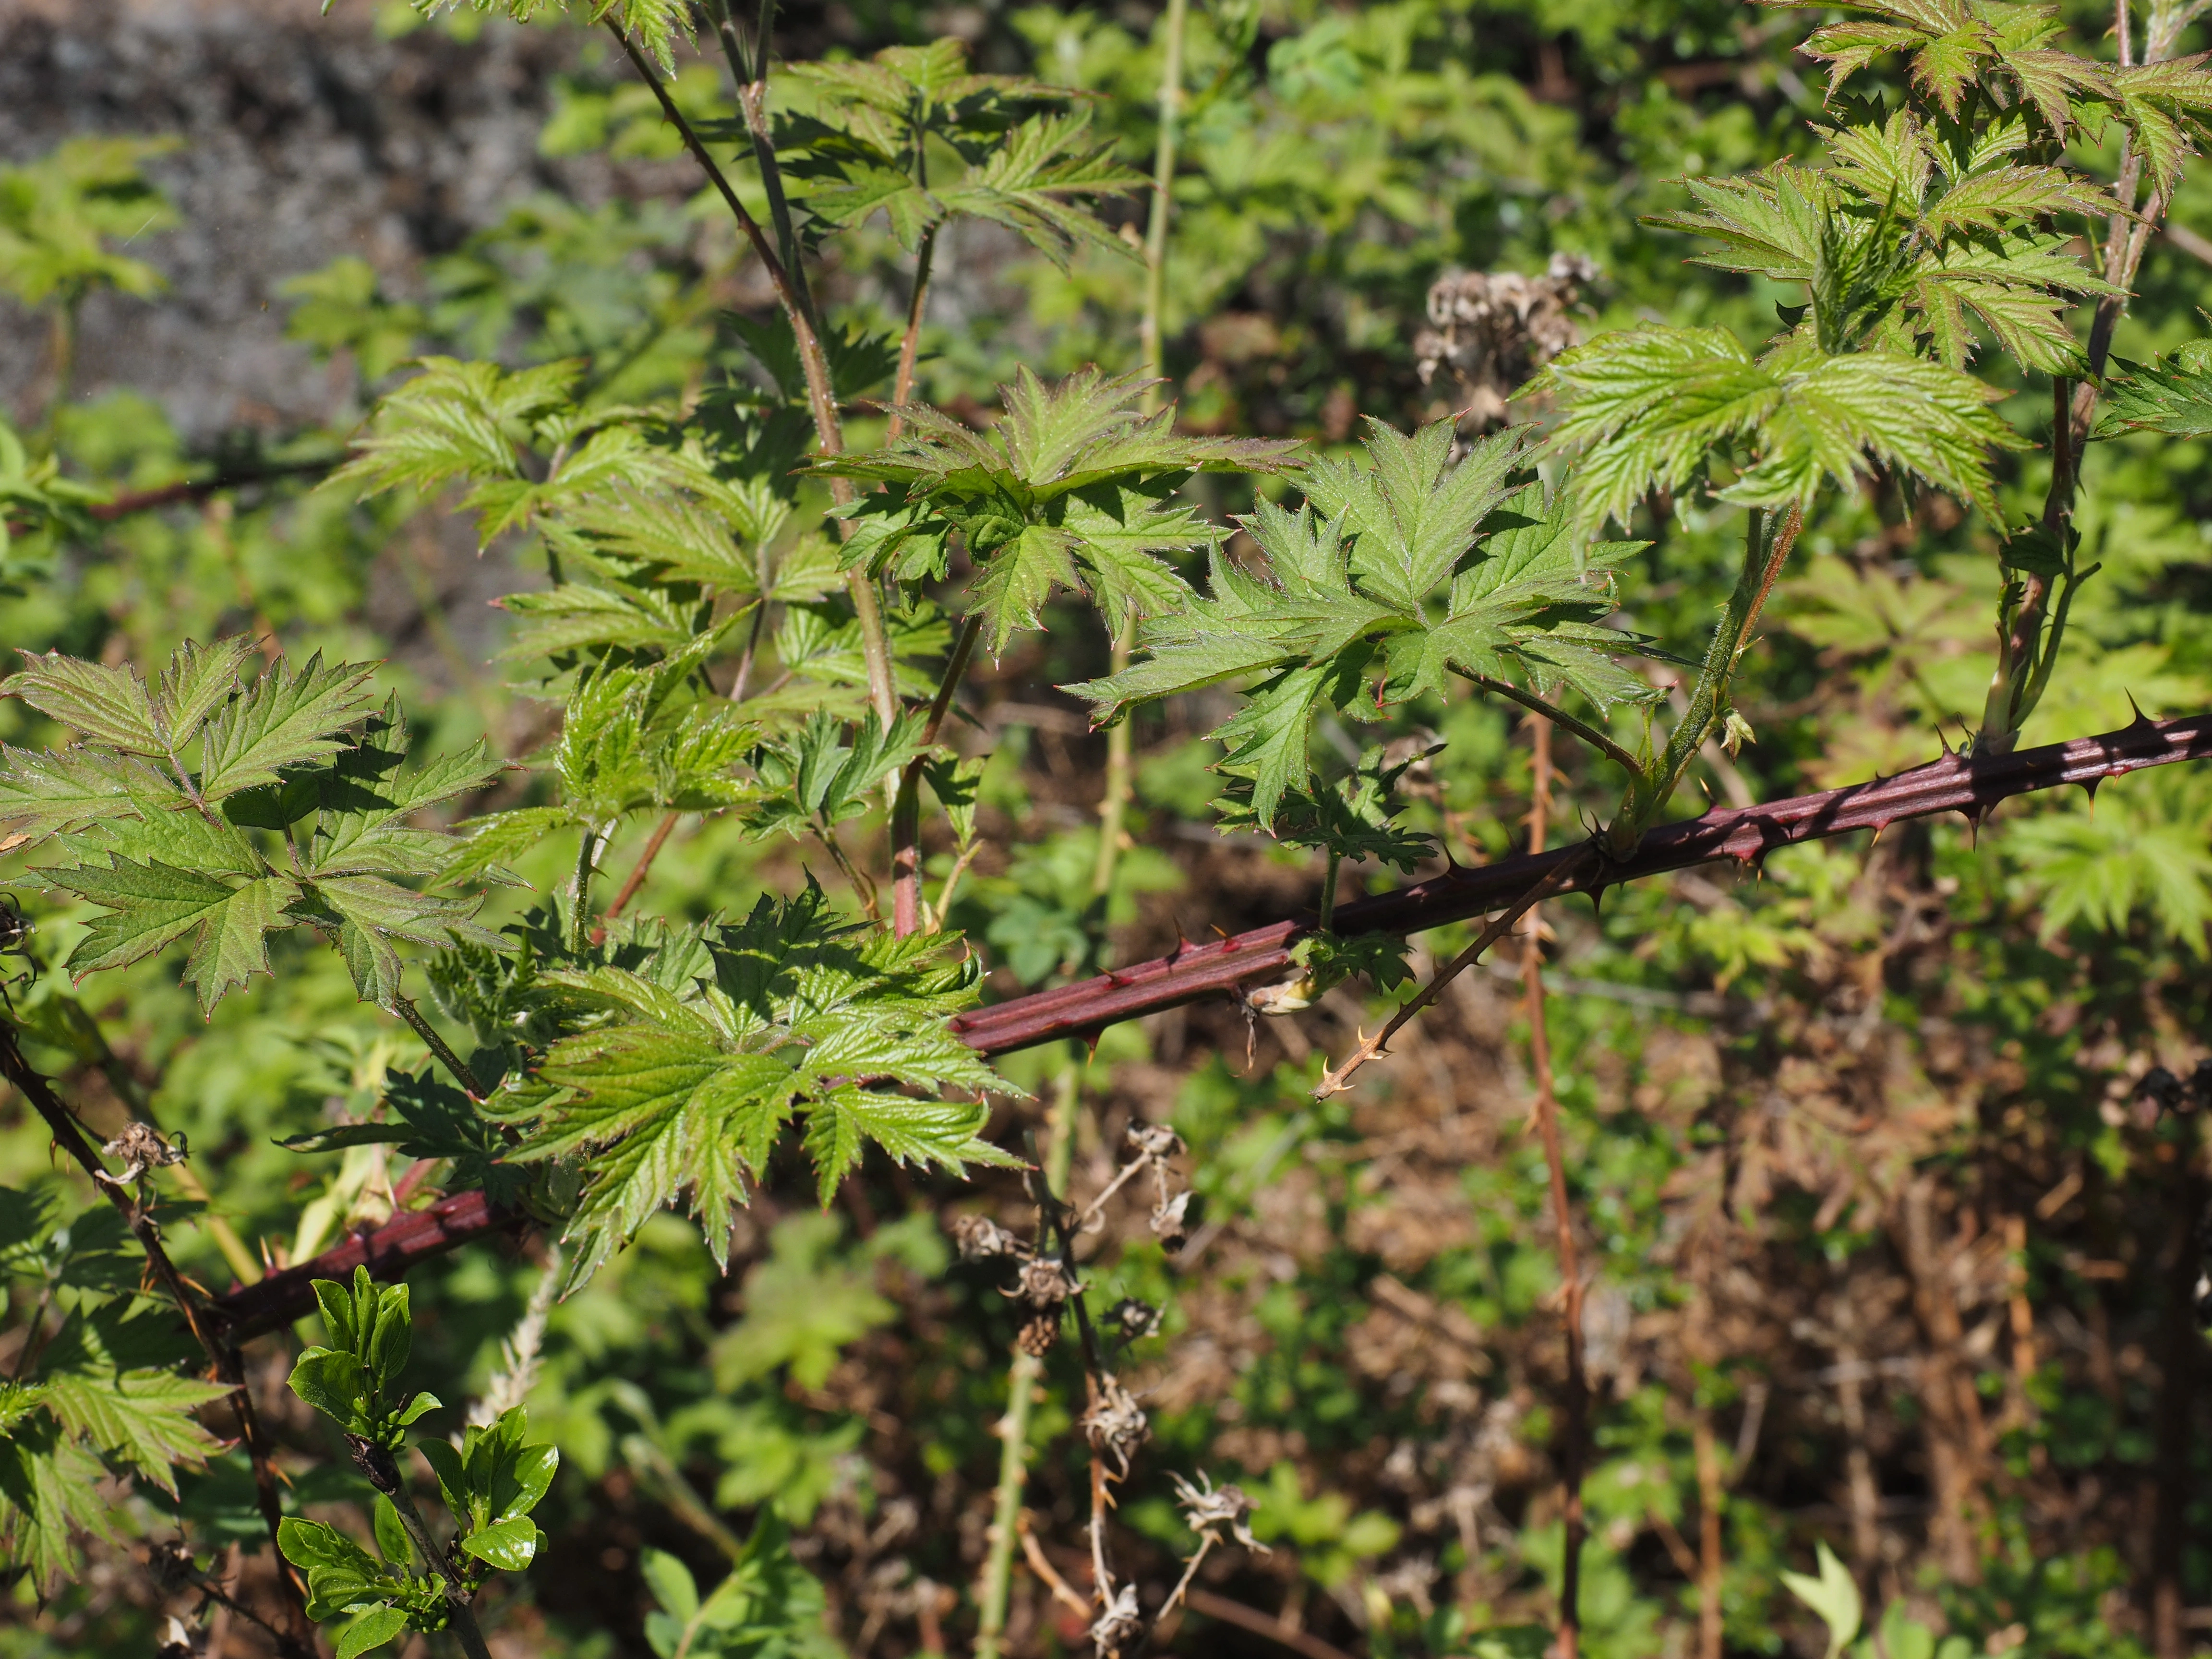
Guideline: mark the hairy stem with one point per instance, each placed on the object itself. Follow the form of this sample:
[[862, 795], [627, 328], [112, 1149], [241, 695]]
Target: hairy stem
[[405, 1008], [1573, 1450], [2017, 684], [789, 282], [1553, 713], [1766, 546], [1113, 803], [1023, 1376], [223, 1358], [911, 342], [579, 891], [906, 803]]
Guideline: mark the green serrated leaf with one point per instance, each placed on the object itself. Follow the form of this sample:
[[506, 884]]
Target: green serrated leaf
[[283, 719], [106, 705]]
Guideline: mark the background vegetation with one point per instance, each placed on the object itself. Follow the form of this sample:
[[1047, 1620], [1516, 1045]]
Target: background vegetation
[[1889, 1246]]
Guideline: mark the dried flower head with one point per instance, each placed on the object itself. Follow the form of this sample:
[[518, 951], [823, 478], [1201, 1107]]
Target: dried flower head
[[1155, 1140], [142, 1149], [1122, 1622], [171, 1563], [1133, 1319], [1493, 330], [982, 1239], [180, 1640], [1172, 1221], [1039, 1334], [1207, 1508], [1116, 1425], [1044, 1283]]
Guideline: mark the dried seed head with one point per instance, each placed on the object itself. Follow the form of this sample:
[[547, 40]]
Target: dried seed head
[[1133, 1319], [1172, 1221], [1122, 1622], [1207, 1508], [172, 1564], [1492, 330], [1044, 1285], [180, 1641], [1155, 1140], [1115, 1426], [982, 1239], [141, 1149], [1039, 1334]]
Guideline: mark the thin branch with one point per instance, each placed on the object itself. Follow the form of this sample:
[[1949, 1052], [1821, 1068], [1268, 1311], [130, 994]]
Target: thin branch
[[1183, 1584], [1097, 1207], [1024, 1373], [740, 688], [1101, 1573], [1274, 1630], [911, 342], [462, 1619], [222, 1358], [1337, 1081], [863, 889], [777, 275]]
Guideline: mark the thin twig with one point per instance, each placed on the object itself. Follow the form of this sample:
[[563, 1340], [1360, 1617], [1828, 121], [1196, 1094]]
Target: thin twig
[[636, 879], [1033, 1552], [1183, 1584], [1102, 1574], [461, 1617], [1336, 1081], [1274, 1630], [1024, 1373], [222, 1357], [1097, 1206], [910, 343], [863, 889], [906, 802], [1548, 1128]]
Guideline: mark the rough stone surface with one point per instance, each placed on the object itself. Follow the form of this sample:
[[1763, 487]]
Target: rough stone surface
[[303, 138]]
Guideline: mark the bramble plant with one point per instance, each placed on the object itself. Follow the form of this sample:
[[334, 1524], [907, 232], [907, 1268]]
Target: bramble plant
[[775, 575]]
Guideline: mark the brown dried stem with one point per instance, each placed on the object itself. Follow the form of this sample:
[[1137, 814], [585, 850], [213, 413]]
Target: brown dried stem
[[223, 1358]]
